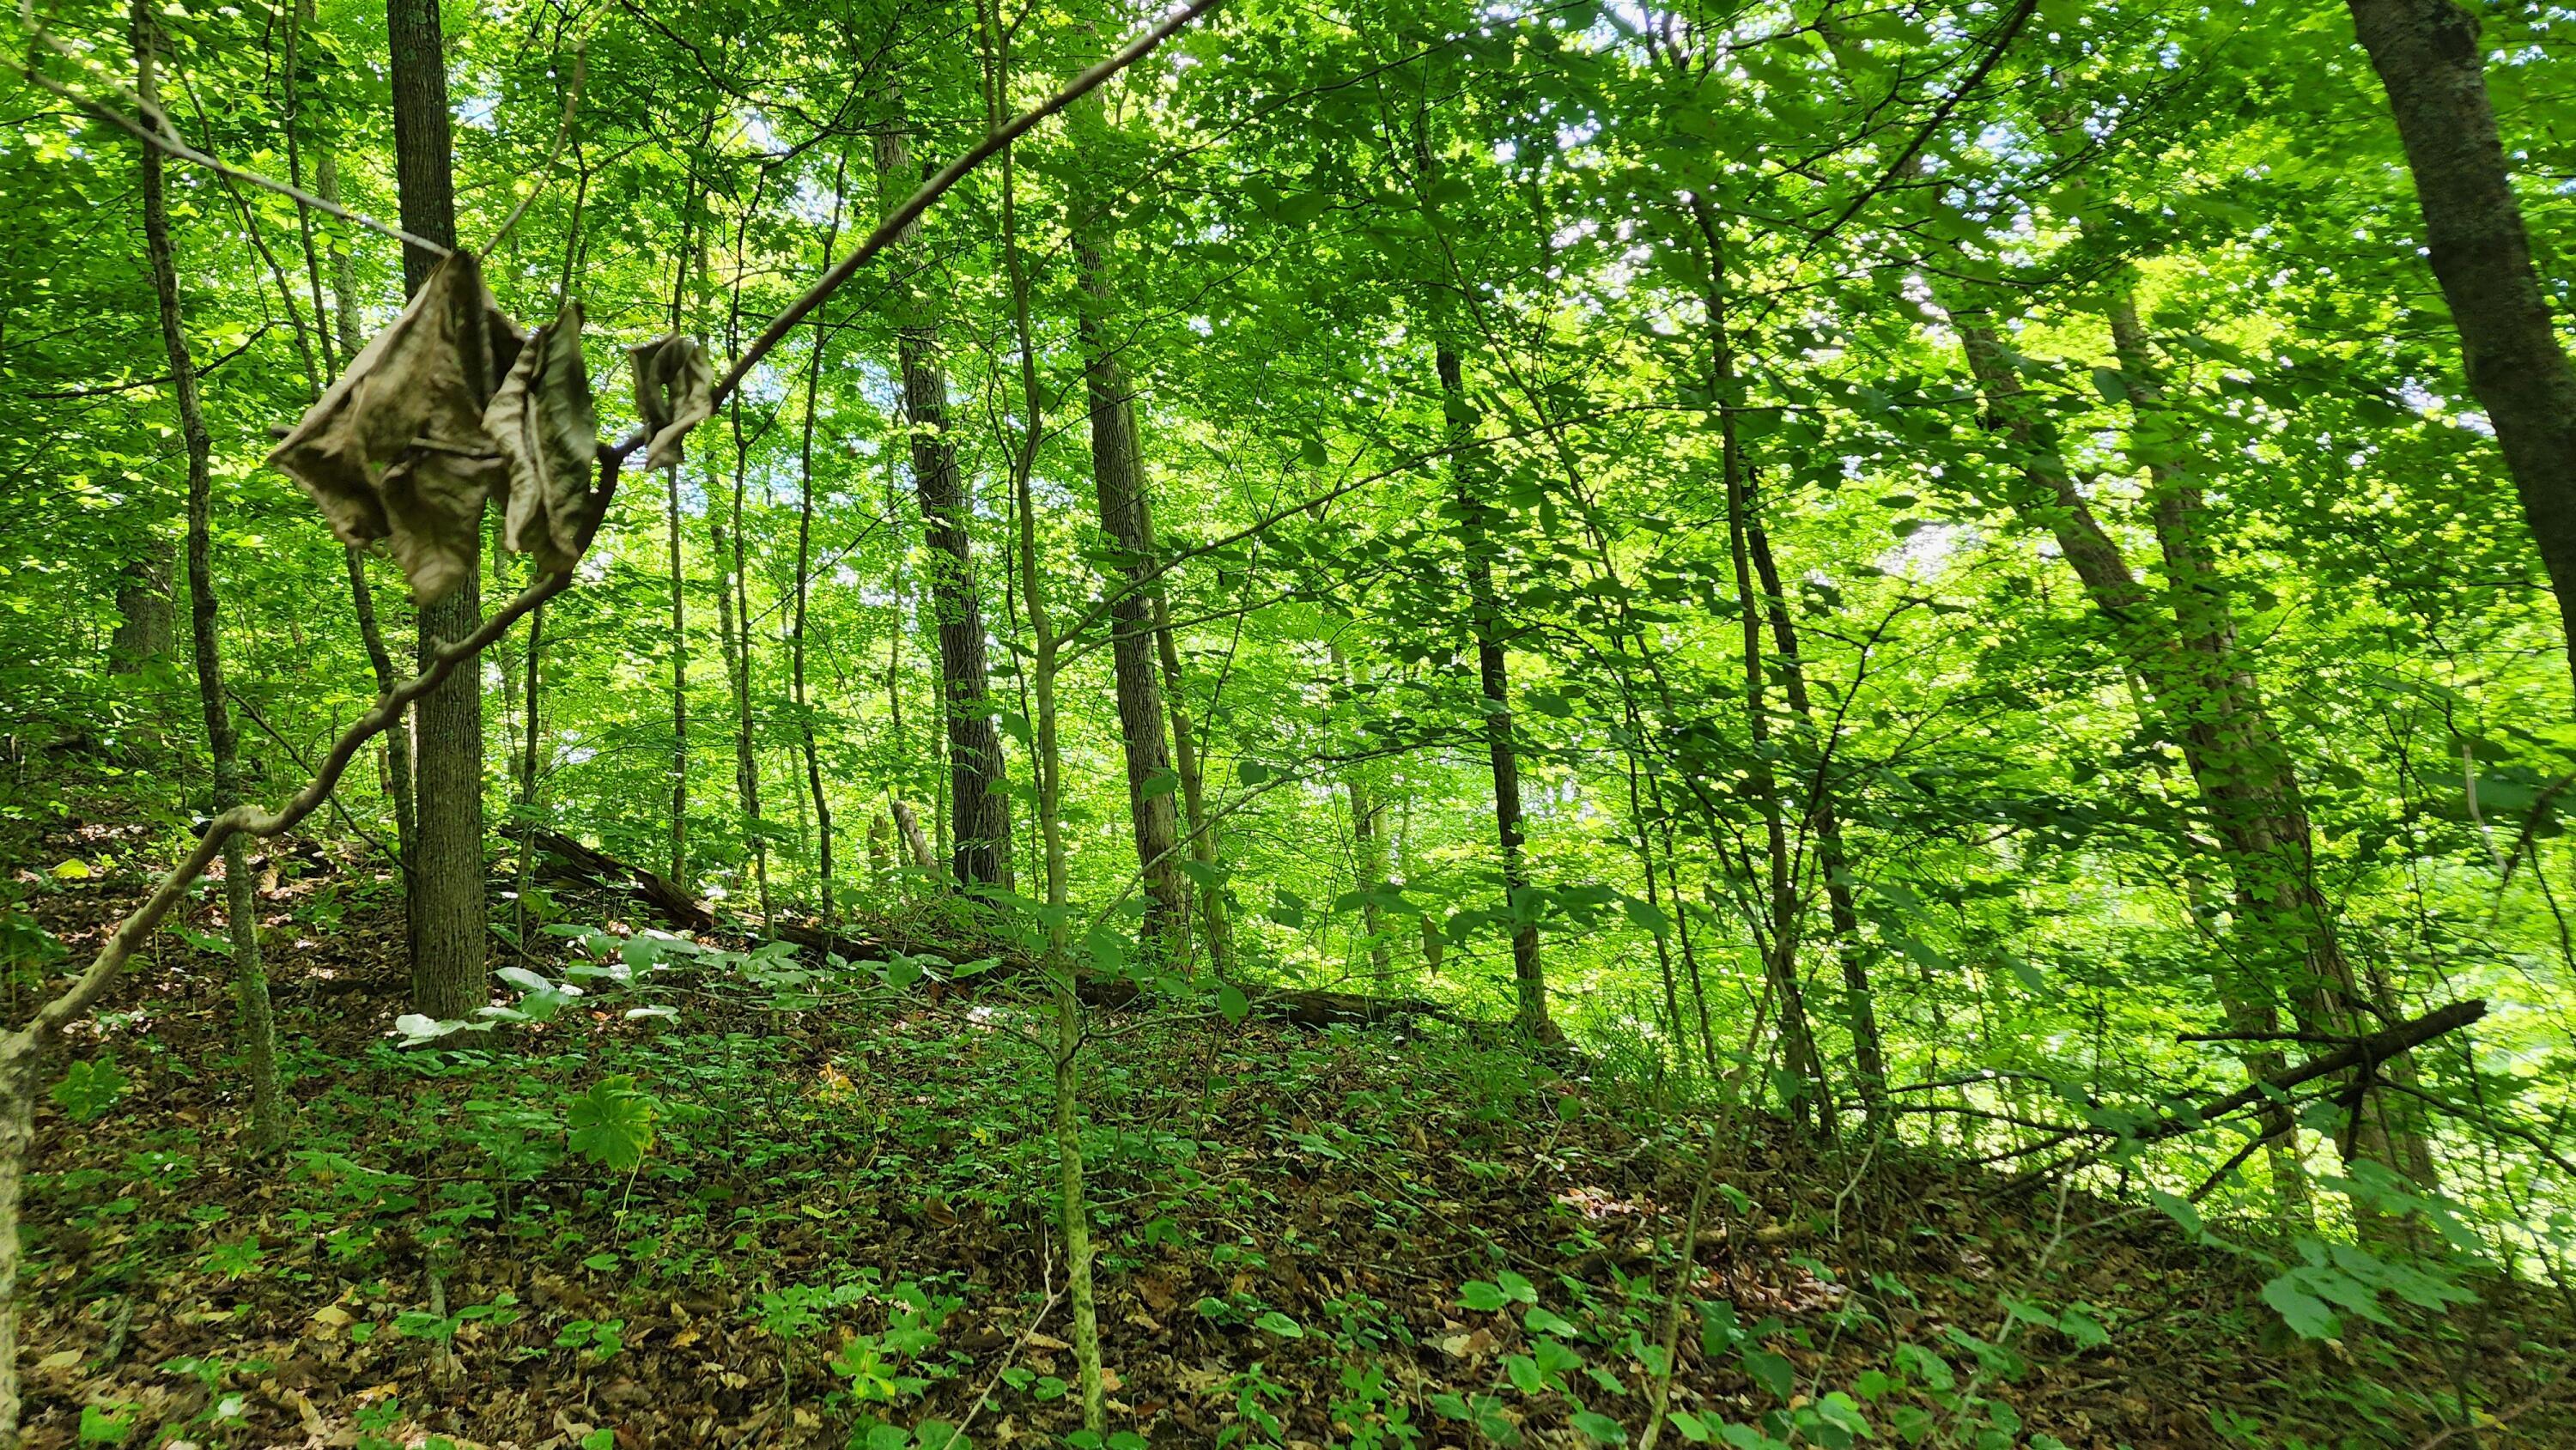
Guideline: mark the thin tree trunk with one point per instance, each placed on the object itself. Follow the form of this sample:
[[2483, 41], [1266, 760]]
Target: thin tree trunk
[[1493, 675], [805, 577], [679, 612], [1368, 845], [1118, 480], [241, 901], [528, 754], [1780, 948], [978, 800], [447, 906], [1073, 1211], [733, 633], [1860, 1011], [1214, 923], [2431, 64], [340, 343]]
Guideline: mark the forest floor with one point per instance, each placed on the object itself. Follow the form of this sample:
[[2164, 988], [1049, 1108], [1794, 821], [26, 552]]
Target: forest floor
[[1350, 1237]]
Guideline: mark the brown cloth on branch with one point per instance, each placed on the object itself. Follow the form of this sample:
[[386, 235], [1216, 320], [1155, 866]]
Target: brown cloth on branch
[[453, 404], [396, 449], [546, 429], [673, 391]]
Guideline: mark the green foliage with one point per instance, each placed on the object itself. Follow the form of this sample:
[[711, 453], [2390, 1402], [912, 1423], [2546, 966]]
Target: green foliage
[[89, 1087], [611, 1123]]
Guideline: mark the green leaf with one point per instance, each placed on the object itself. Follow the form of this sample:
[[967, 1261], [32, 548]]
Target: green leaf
[[2113, 387], [1600, 1427], [1772, 1371], [1280, 1324], [2305, 1313], [1480, 1296], [88, 1089], [1692, 1427], [612, 1123], [1231, 1002]]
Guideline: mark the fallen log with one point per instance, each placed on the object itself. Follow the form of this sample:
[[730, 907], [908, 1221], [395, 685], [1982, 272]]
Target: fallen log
[[562, 857]]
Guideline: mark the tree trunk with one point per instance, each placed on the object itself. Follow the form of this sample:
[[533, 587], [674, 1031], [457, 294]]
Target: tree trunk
[[2235, 758], [978, 800], [2427, 55], [1214, 923], [1780, 944], [241, 901], [146, 618], [343, 330], [805, 578], [1368, 845], [1118, 479], [447, 905], [1859, 1009], [1493, 674], [528, 757], [733, 633]]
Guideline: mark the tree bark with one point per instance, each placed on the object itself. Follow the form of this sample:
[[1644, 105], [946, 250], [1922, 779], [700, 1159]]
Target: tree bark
[[2427, 56], [1494, 677], [1368, 845], [2235, 759], [1860, 1010], [241, 900], [343, 330], [146, 616], [447, 907], [1779, 945], [1214, 922], [978, 800], [805, 579], [1117, 471]]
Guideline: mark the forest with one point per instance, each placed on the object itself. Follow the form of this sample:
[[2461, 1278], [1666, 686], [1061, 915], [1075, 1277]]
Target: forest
[[1388, 725]]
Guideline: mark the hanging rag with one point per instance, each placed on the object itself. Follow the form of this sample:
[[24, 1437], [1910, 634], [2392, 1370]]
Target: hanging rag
[[453, 405], [547, 431], [396, 449], [672, 392]]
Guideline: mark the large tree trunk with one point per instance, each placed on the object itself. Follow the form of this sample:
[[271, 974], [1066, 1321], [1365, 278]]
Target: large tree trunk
[[978, 800], [146, 618], [2427, 55], [1118, 480], [2235, 758], [1493, 673], [447, 905], [241, 901]]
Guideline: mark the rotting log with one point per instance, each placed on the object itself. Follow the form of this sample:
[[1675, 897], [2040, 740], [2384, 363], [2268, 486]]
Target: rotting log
[[562, 857]]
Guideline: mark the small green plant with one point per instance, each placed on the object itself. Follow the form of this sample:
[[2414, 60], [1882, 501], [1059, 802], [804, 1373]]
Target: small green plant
[[106, 1424], [1255, 1421], [612, 1123], [89, 1088], [593, 1341], [443, 1329]]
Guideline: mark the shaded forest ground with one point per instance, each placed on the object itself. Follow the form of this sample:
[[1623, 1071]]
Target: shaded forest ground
[[841, 1218]]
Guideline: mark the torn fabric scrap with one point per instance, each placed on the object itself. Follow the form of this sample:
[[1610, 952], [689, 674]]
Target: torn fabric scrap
[[546, 429], [673, 392], [396, 450]]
